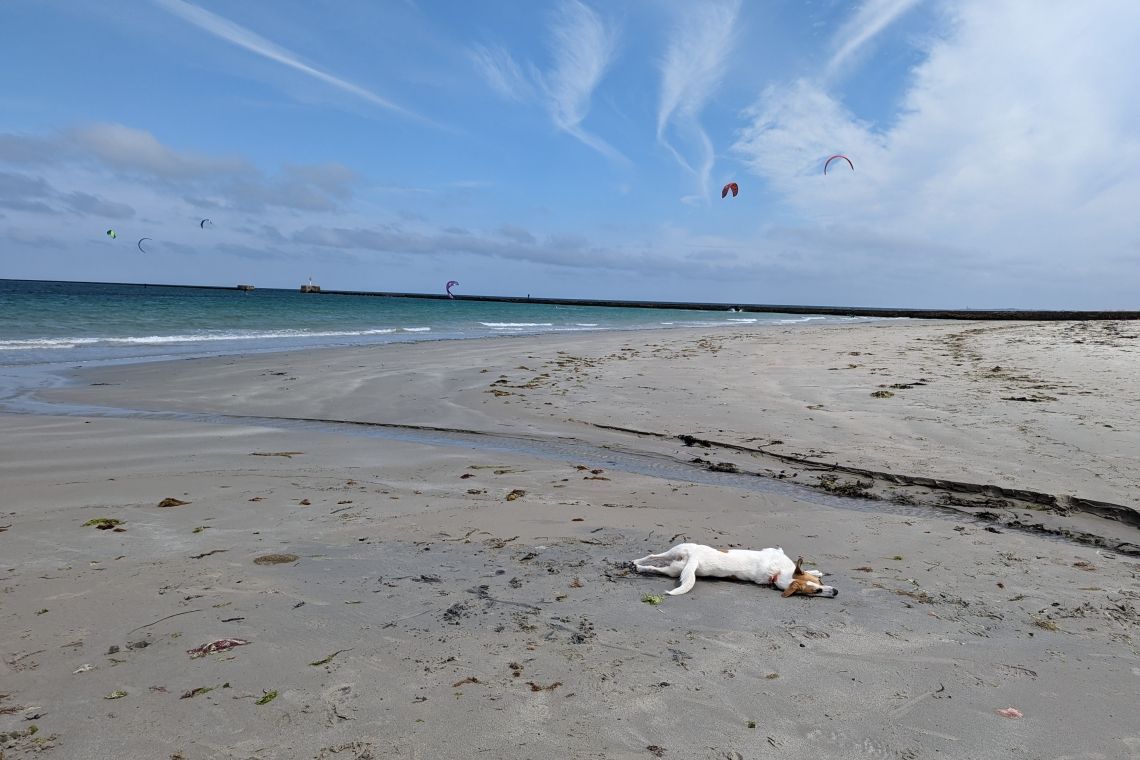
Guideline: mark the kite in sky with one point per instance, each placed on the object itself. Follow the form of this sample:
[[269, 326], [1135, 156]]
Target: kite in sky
[[832, 158], [112, 234], [449, 286], [139, 244], [731, 187]]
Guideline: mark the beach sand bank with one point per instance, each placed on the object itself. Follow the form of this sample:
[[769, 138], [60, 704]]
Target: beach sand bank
[[449, 619]]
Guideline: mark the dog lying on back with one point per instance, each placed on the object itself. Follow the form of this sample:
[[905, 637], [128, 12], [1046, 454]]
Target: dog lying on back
[[766, 567]]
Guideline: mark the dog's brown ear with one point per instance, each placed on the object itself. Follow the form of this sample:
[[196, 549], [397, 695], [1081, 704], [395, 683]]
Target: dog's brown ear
[[799, 570], [791, 589]]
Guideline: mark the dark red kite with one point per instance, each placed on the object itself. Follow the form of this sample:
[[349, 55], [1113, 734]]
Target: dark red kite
[[731, 186]]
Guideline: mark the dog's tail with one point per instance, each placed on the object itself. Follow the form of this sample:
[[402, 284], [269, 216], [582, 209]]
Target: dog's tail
[[688, 576]]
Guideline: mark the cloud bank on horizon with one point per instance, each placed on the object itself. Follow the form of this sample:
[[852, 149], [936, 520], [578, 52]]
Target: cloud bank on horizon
[[577, 149]]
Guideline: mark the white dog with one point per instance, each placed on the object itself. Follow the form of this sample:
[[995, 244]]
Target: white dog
[[767, 567]]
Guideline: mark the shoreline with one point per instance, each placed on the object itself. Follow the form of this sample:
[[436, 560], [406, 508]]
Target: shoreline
[[406, 595]]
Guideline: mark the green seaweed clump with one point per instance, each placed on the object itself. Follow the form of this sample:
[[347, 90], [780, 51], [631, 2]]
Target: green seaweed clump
[[103, 523]]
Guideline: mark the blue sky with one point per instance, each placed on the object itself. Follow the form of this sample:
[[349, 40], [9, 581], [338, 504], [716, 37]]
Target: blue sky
[[577, 149]]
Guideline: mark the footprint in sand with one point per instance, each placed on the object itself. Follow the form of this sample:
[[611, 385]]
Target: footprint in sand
[[338, 700]]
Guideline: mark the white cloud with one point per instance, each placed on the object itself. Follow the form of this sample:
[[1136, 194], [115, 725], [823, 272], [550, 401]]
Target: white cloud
[[1014, 156], [583, 48], [693, 67], [128, 149]]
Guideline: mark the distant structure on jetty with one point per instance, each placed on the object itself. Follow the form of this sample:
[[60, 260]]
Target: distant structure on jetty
[[310, 288], [246, 288]]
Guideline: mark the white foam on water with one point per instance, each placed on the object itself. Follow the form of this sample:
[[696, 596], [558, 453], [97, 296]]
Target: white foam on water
[[133, 340], [519, 325]]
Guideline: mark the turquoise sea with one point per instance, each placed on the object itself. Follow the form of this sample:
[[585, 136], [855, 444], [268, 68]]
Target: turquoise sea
[[78, 323]]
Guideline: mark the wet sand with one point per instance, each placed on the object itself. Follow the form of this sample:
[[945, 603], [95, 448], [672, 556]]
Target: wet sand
[[450, 619]]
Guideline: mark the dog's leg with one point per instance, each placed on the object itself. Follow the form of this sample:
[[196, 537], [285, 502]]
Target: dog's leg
[[647, 559], [688, 577], [656, 562], [670, 569]]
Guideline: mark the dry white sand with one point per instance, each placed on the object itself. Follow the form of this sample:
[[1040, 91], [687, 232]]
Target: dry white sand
[[465, 623]]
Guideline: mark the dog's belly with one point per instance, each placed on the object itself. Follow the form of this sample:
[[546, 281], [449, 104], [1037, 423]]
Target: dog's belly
[[720, 573], [722, 570]]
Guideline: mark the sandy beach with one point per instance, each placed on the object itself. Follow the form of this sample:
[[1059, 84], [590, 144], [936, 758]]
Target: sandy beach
[[425, 548]]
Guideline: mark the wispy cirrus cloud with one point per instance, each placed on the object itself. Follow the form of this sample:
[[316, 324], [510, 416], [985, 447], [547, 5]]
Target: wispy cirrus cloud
[[582, 47], [693, 66], [236, 34], [861, 29], [500, 70]]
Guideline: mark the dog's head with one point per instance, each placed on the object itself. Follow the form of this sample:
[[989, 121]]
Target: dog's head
[[805, 583]]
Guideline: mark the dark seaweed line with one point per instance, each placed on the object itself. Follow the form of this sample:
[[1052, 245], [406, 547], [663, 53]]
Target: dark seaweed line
[[1061, 504]]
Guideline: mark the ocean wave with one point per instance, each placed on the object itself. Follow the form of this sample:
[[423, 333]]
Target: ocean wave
[[34, 343], [795, 320], [134, 340], [519, 325]]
